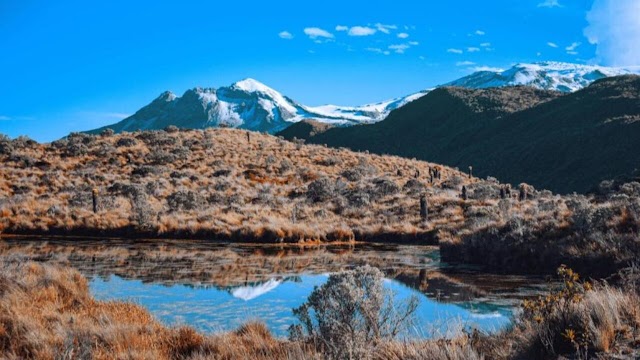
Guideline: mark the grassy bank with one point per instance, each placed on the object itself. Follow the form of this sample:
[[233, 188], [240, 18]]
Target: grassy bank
[[220, 183], [237, 186], [46, 312], [596, 234]]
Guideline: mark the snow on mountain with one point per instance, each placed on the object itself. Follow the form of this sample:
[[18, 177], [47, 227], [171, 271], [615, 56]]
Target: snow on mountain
[[247, 104], [557, 76]]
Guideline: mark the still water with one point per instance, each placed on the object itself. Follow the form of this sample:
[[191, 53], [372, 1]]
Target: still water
[[217, 287]]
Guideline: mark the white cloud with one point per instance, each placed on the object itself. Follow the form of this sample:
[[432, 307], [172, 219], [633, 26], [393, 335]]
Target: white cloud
[[399, 48], [454, 51], [480, 32], [361, 31], [538, 53], [314, 33], [614, 27], [473, 49], [553, 45], [414, 43], [4, 118], [342, 28], [421, 57], [486, 44], [378, 51], [403, 35], [573, 46], [285, 35], [571, 49], [488, 68], [465, 63], [549, 4], [385, 28]]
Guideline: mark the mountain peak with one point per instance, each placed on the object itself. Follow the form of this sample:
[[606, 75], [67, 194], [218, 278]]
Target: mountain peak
[[547, 75], [166, 96], [252, 85]]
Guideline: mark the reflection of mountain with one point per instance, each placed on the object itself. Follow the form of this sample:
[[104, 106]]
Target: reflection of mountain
[[247, 293], [248, 272]]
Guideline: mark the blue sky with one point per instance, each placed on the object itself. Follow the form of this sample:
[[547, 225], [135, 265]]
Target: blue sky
[[76, 65]]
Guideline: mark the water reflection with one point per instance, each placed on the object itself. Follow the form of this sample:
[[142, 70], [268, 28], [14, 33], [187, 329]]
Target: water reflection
[[212, 309], [216, 286]]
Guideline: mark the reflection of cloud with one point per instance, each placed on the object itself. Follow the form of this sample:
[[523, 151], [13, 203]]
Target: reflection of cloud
[[495, 315], [247, 293]]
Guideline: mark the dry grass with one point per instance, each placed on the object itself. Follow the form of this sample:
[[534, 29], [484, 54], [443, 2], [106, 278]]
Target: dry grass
[[46, 312], [213, 183]]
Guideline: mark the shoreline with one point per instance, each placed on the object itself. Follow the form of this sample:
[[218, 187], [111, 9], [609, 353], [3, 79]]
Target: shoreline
[[427, 238]]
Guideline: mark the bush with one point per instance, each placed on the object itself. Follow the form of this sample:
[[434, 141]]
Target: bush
[[577, 321], [454, 183], [360, 171], [81, 138], [161, 158], [351, 314], [414, 187], [104, 150], [484, 191], [156, 138], [321, 190], [6, 148], [107, 132], [185, 200], [285, 166], [142, 214], [330, 161], [146, 170], [384, 187], [24, 142], [126, 142], [171, 129], [75, 149], [221, 173]]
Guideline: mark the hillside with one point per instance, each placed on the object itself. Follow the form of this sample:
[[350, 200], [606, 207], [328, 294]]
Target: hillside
[[559, 142], [218, 183], [234, 185]]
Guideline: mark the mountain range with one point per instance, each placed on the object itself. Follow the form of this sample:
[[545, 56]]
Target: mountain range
[[559, 141], [249, 104]]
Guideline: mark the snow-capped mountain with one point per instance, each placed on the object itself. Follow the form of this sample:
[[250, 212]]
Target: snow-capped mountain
[[557, 76], [247, 104]]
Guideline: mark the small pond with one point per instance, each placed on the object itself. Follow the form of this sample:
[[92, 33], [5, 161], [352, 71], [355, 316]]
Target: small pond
[[217, 287]]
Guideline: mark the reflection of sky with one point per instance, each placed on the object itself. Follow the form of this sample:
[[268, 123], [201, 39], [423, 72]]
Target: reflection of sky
[[212, 310]]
